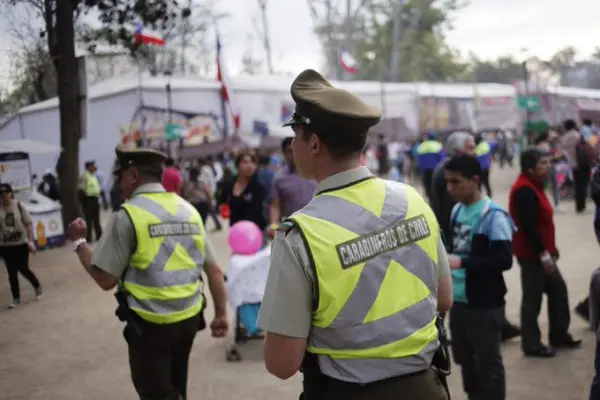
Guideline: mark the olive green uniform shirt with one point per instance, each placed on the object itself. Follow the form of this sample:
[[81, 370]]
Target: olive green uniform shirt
[[287, 306], [117, 244]]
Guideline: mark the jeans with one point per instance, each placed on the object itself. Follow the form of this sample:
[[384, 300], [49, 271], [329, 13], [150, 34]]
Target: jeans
[[554, 187], [476, 337], [581, 176], [536, 282], [16, 259], [595, 391]]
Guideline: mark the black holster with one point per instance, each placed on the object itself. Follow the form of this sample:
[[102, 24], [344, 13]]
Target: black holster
[[124, 313], [441, 363], [314, 382], [202, 321]]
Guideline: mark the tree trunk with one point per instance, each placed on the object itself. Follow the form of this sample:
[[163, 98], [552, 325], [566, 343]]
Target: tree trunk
[[68, 95], [396, 41]]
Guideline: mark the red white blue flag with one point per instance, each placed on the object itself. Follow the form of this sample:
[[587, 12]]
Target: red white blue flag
[[347, 61], [144, 38], [226, 89]]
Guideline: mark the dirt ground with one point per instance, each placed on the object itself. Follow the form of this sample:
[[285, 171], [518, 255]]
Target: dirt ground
[[70, 346]]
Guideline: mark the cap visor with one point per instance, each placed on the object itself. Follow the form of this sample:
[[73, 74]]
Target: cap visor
[[291, 121]]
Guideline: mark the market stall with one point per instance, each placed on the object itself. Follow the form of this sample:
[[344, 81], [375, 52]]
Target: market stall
[[15, 170]]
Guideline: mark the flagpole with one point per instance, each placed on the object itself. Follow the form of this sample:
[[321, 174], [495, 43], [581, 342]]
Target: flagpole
[[225, 122], [141, 103]]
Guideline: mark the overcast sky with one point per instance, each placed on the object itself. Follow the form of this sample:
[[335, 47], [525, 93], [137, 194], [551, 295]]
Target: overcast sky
[[488, 28]]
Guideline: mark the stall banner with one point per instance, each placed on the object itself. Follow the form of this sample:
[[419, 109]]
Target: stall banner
[[48, 229], [194, 131], [14, 170], [434, 113]]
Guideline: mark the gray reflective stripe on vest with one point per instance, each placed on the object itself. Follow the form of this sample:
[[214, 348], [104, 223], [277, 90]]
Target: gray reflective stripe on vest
[[164, 306], [375, 369], [155, 275], [347, 330]]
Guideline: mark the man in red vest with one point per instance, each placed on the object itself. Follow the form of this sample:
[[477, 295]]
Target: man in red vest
[[534, 246]]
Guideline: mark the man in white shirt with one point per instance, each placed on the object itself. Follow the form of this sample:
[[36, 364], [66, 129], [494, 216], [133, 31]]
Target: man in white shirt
[[207, 176], [217, 168]]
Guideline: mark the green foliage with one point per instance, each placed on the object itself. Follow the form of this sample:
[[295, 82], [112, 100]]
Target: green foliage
[[119, 17], [423, 52], [504, 69]]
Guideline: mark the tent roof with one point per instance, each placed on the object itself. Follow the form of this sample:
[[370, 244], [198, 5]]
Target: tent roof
[[27, 146], [282, 83]]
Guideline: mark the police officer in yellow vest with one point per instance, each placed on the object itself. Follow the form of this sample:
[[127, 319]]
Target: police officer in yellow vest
[[154, 251], [90, 197], [359, 274]]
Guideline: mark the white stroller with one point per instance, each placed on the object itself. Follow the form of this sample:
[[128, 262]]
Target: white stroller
[[246, 281]]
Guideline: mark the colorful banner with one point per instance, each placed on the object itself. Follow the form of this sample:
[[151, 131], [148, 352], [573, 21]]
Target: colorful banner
[[434, 114], [194, 131]]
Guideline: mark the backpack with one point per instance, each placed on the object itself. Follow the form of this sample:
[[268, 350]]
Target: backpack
[[585, 154], [595, 186]]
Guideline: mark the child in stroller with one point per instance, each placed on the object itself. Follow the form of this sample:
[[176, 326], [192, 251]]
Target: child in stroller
[[564, 178], [246, 280]]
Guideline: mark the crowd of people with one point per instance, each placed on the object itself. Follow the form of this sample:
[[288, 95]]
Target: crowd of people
[[476, 244]]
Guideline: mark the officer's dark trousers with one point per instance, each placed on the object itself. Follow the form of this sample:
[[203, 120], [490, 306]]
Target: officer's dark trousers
[[535, 282], [421, 386], [427, 178], [485, 181], [159, 358], [476, 337], [91, 213]]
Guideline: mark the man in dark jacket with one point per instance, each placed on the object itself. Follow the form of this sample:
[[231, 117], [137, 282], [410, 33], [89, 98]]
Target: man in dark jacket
[[442, 203], [534, 245]]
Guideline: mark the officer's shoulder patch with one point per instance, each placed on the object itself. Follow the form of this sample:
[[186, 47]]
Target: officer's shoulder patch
[[286, 227]]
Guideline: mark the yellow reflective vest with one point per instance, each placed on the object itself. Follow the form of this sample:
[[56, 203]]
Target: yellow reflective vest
[[90, 184], [374, 249], [163, 279]]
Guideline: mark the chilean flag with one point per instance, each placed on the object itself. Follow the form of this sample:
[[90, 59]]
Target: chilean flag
[[226, 91], [144, 38], [347, 61]]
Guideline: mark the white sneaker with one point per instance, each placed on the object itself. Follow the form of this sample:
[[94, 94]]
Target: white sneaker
[[15, 304], [38, 293]]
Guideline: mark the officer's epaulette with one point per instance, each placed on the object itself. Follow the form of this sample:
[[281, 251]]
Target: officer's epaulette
[[286, 227]]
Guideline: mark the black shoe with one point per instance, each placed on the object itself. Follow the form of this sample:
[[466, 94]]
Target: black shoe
[[542, 352], [510, 331], [568, 343], [583, 310]]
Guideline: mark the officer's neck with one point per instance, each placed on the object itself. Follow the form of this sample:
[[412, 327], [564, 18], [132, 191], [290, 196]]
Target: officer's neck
[[473, 199], [333, 167]]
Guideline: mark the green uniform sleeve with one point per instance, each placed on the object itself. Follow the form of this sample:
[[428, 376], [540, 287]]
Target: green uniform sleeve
[[286, 308]]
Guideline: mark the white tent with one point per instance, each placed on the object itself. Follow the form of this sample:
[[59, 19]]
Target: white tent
[[113, 103], [27, 146]]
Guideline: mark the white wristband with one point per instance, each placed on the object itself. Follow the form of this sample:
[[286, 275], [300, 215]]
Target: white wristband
[[75, 245], [546, 257]]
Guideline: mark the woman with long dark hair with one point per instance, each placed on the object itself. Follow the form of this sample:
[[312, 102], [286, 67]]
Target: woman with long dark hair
[[245, 195], [16, 242]]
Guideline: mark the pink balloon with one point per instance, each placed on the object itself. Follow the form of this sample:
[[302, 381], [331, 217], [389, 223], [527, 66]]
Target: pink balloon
[[245, 238]]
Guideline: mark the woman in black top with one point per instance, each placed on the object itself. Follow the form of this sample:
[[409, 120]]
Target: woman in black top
[[245, 195]]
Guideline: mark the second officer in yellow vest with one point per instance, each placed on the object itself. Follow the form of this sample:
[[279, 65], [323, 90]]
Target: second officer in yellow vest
[[154, 251], [358, 275], [90, 190]]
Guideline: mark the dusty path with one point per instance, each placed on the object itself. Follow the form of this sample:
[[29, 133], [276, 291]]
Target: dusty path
[[69, 346]]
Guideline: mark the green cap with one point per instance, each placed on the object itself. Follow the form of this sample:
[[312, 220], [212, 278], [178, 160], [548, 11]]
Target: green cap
[[137, 157], [320, 105]]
